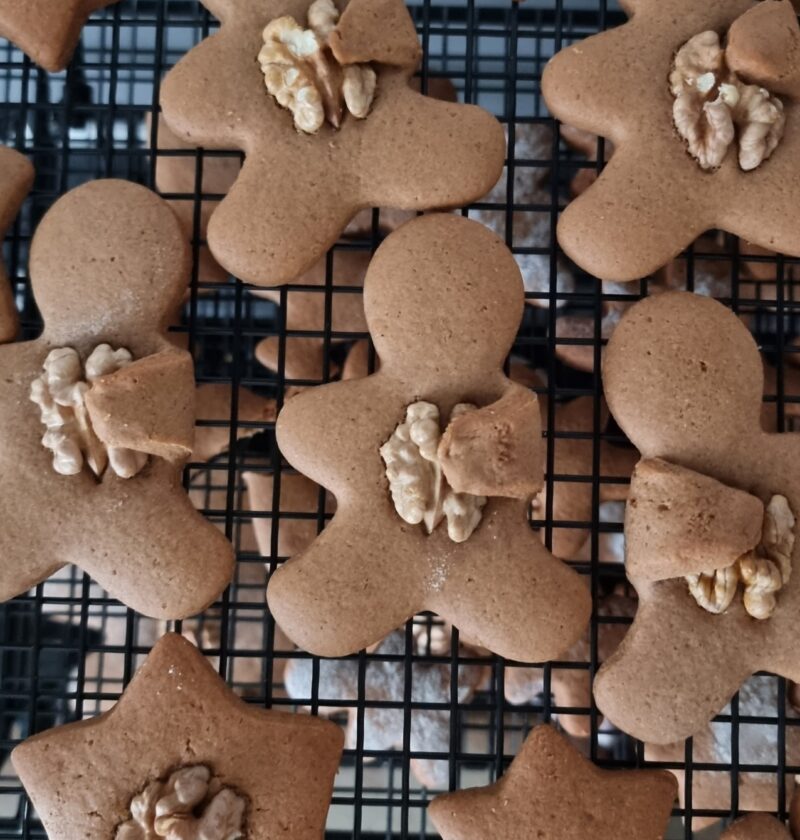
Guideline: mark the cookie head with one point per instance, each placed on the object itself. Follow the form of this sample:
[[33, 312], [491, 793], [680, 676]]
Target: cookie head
[[680, 343], [108, 253], [434, 287]]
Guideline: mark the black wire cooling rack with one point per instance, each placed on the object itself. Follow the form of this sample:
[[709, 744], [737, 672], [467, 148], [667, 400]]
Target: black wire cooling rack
[[67, 650]]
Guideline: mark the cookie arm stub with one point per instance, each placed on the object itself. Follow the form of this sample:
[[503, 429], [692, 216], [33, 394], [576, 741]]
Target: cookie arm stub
[[496, 450], [147, 406]]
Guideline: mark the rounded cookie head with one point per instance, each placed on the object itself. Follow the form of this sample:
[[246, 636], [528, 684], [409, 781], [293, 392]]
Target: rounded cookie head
[[692, 345], [109, 253], [435, 264]]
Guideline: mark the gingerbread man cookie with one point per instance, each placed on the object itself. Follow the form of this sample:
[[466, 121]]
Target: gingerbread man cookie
[[16, 179], [47, 30], [388, 553], [710, 522], [551, 790], [324, 134], [97, 414], [181, 747], [384, 682], [706, 132]]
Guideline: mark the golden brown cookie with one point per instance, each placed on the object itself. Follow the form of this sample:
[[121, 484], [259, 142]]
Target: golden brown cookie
[[177, 714], [757, 827], [683, 378], [47, 30], [370, 569], [550, 790], [297, 192], [16, 179], [98, 412], [653, 198], [384, 682]]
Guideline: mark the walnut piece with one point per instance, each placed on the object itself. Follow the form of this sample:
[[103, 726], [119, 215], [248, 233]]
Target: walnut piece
[[712, 106], [763, 572], [416, 482], [190, 805], [301, 72], [60, 392]]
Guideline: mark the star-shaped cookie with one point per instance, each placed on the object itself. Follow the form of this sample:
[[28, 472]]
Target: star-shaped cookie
[[296, 192], [47, 30], [443, 300], [175, 713], [552, 791], [16, 179], [653, 199]]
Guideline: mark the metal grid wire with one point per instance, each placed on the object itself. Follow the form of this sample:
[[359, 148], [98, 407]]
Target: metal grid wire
[[67, 650]]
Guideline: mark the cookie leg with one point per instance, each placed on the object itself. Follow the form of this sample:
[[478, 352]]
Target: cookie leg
[[273, 243], [155, 553], [441, 154], [515, 599], [628, 204], [644, 688], [344, 593]]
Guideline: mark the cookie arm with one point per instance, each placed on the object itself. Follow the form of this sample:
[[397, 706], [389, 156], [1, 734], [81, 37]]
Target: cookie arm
[[147, 406], [584, 83]]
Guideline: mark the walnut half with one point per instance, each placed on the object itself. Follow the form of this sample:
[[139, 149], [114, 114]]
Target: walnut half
[[416, 482], [763, 572], [303, 75], [713, 107], [60, 393], [190, 805]]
